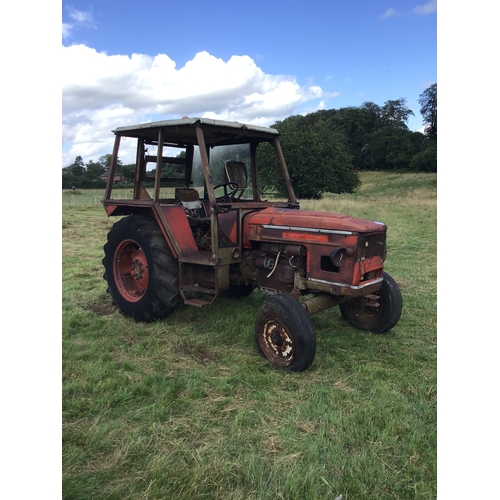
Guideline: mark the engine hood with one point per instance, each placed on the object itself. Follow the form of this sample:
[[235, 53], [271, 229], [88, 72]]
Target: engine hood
[[309, 219]]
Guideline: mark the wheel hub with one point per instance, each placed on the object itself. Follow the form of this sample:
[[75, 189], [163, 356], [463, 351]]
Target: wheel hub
[[131, 270], [136, 269], [277, 344]]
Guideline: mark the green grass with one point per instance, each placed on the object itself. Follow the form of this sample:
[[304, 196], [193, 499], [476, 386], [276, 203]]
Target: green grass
[[186, 409]]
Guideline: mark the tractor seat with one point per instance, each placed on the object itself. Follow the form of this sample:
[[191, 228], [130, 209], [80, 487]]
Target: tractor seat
[[193, 206], [236, 171]]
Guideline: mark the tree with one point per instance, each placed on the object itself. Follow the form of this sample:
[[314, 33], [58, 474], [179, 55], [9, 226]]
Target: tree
[[128, 171], [316, 156], [105, 162], [375, 109], [389, 148], [76, 169], [396, 113], [93, 170], [426, 159], [357, 125], [428, 101], [82, 176]]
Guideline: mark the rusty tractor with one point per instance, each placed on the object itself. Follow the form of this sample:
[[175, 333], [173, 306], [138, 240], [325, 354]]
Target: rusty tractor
[[195, 228]]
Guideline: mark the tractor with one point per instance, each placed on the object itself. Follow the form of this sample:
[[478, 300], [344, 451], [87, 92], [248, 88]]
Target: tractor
[[194, 227]]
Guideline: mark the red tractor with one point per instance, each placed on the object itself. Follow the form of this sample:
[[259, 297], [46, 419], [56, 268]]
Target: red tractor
[[196, 229]]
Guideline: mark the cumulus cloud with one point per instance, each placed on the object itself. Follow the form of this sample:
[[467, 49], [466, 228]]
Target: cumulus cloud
[[101, 92]]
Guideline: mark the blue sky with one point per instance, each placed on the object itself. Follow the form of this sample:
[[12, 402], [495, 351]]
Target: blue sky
[[254, 62]]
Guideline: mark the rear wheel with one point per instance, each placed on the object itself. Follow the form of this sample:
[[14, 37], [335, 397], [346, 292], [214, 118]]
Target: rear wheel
[[378, 313], [284, 333], [141, 272]]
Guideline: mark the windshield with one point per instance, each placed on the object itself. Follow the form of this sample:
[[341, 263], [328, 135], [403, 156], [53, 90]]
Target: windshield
[[227, 164]]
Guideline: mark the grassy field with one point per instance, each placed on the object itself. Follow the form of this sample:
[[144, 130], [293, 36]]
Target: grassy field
[[186, 409]]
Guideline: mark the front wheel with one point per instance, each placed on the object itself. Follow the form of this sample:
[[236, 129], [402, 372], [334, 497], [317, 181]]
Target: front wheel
[[284, 333], [141, 272], [377, 314]]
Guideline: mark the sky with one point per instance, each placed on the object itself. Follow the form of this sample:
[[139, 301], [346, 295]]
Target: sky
[[254, 62]]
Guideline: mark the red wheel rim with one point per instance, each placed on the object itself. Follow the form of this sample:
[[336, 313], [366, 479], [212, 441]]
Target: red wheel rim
[[130, 268]]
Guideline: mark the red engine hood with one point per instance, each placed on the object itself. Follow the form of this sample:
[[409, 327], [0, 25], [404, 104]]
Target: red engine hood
[[310, 219]]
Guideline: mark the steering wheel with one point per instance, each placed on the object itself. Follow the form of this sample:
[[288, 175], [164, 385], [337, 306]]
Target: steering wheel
[[228, 195]]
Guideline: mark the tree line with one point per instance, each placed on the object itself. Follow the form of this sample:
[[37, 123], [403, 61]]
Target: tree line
[[325, 150]]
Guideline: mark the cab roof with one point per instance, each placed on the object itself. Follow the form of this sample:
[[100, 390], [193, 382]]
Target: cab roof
[[183, 131]]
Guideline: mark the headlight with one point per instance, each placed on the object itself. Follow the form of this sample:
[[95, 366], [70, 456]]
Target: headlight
[[337, 257]]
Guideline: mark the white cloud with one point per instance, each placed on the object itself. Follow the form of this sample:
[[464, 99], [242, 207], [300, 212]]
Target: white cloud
[[79, 16], [320, 105], [66, 30], [427, 8], [101, 92], [421, 10], [388, 13]]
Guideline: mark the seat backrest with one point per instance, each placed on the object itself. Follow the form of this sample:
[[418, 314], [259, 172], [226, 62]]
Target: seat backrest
[[186, 194], [236, 171], [190, 200]]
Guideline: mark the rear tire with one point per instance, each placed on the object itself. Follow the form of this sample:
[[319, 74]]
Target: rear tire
[[284, 333], [142, 273], [375, 319]]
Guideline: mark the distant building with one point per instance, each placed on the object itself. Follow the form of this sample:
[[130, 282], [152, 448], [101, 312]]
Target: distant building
[[117, 179]]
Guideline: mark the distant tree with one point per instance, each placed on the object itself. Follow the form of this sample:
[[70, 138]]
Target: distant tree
[[426, 159], [93, 170], [396, 113], [76, 169], [82, 176], [428, 101], [417, 139], [375, 109], [389, 148], [356, 124], [316, 156], [105, 162], [128, 171]]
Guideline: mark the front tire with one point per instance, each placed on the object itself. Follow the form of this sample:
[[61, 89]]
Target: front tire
[[142, 273], [376, 319], [284, 333]]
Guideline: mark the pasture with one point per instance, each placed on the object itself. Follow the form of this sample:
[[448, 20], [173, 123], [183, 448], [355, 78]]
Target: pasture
[[185, 408]]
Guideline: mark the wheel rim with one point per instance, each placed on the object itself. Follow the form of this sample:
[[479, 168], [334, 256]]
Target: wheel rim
[[277, 344], [130, 267]]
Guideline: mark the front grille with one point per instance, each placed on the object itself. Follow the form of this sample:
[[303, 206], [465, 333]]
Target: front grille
[[371, 245]]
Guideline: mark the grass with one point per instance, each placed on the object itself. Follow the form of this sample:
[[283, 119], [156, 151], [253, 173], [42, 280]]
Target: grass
[[186, 409]]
